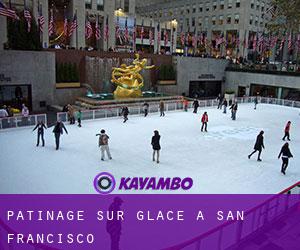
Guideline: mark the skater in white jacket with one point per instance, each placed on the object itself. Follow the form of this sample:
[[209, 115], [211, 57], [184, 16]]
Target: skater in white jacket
[[103, 144]]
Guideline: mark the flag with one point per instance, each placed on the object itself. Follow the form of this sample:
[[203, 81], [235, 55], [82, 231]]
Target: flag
[[41, 19], [194, 39], [51, 23], [118, 31], [97, 30], [290, 44], [151, 34], [220, 40], [255, 42], [65, 25], [158, 35], [134, 35], [261, 43], [142, 32], [298, 41], [73, 26], [4, 11], [88, 28], [166, 36], [282, 43], [106, 30], [182, 38], [27, 17], [126, 34], [273, 41]]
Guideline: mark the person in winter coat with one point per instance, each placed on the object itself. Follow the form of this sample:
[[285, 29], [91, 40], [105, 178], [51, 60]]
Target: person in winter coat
[[286, 154], [3, 113], [25, 111], [225, 104], [79, 117], [71, 113], [234, 108], [255, 102], [40, 132], [185, 105], [220, 101], [103, 144], [259, 145], [162, 108], [114, 226], [195, 106], [146, 108], [287, 131], [155, 142], [58, 131], [204, 121], [125, 113]]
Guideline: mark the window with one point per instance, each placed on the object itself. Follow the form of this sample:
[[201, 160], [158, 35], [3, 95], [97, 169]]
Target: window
[[257, 5], [222, 5], [229, 4], [207, 6], [193, 21], [182, 11], [200, 21], [100, 4], [215, 5], [213, 20], [194, 8], [252, 4], [187, 22], [221, 20], [238, 3], [201, 8], [251, 20], [262, 7], [229, 19], [126, 6], [236, 18], [88, 4], [256, 21], [188, 10], [206, 22], [261, 24]]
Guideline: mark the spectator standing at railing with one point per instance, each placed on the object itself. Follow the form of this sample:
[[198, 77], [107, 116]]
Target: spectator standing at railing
[[195, 106], [259, 145], [71, 113], [146, 108], [162, 108], [58, 131], [25, 111], [40, 132], [225, 104], [287, 131], [204, 121], [286, 154], [103, 144], [125, 113], [3, 113], [79, 117], [9, 111]]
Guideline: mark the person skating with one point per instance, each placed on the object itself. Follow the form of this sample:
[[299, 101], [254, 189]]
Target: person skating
[[40, 132], [155, 142], [195, 106], [125, 113], [286, 154], [58, 131], [79, 117], [71, 113], [259, 145], [146, 108], [287, 131], [103, 144], [162, 108], [225, 104], [204, 121], [255, 102], [185, 105], [220, 101], [234, 108]]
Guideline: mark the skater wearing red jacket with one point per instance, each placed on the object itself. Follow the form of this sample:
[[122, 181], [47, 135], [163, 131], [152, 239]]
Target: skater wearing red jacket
[[287, 131], [204, 121]]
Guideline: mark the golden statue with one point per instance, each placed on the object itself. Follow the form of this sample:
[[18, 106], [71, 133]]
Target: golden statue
[[128, 79]]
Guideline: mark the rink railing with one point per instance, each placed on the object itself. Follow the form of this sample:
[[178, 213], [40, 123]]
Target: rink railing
[[255, 219], [21, 121], [113, 111]]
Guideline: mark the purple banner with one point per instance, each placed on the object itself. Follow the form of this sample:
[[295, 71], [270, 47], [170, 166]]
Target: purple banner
[[130, 222]]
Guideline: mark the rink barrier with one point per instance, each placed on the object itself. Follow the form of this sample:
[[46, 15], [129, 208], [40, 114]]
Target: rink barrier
[[255, 219], [115, 111], [21, 121]]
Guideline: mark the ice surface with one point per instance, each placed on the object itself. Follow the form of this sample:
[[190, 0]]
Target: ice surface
[[217, 161]]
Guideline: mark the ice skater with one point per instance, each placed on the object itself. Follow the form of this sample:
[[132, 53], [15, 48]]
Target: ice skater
[[40, 132], [162, 108], [146, 109], [255, 102], [103, 144], [225, 104], [204, 121], [287, 131], [286, 154], [71, 112], [125, 113], [79, 117], [195, 106], [259, 145], [185, 105], [234, 108], [219, 99], [58, 131], [156, 145]]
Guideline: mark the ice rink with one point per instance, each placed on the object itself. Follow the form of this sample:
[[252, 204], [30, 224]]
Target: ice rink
[[217, 160]]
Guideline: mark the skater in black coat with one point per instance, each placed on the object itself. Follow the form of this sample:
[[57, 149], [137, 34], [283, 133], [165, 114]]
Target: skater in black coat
[[40, 132], [234, 108], [225, 104], [58, 131], [196, 106], [259, 145], [125, 113], [286, 154], [156, 145], [146, 108]]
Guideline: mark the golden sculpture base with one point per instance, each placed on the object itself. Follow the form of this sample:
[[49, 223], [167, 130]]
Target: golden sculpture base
[[121, 93]]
